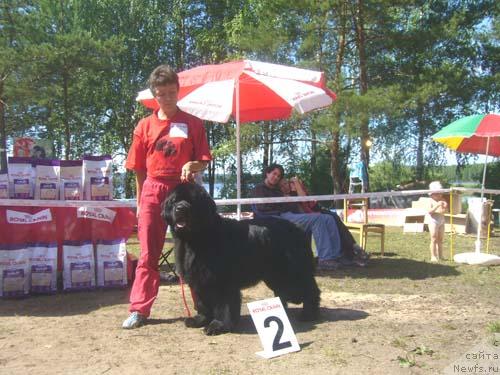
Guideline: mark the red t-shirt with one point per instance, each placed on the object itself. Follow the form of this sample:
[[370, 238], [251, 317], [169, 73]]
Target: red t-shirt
[[162, 147]]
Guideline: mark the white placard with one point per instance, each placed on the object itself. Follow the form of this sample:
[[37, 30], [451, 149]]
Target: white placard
[[178, 130], [274, 329], [96, 213], [17, 217]]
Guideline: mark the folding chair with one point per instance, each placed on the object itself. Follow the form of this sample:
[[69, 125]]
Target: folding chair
[[363, 227], [358, 177], [164, 257]]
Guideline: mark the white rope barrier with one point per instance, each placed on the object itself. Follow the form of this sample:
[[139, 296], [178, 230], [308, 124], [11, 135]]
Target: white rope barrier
[[230, 202], [53, 203], [333, 197]]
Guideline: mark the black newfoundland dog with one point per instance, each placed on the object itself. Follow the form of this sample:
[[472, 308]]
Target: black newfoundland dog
[[218, 257]]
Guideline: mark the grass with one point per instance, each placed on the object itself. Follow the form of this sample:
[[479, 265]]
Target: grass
[[405, 268], [494, 327]]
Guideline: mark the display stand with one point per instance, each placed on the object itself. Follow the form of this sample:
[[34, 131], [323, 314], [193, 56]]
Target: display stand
[[30, 221]]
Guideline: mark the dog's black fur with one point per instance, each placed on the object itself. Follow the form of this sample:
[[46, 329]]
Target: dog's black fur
[[218, 257]]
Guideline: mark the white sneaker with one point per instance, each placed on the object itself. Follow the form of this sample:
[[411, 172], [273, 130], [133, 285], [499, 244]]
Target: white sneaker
[[135, 320]]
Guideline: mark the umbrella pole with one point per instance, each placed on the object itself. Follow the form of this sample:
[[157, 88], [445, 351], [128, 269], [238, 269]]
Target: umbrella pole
[[478, 239], [452, 228], [238, 156]]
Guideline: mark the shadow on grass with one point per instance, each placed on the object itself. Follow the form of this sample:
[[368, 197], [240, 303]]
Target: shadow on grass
[[246, 326], [394, 268], [64, 303]]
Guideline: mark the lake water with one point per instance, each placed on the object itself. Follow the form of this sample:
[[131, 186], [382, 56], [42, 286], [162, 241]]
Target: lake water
[[217, 188]]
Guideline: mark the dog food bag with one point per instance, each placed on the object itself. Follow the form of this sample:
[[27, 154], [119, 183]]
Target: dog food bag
[[111, 263], [21, 177], [78, 265], [14, 270], [97, 178], [46, 179], [43, 263], [4, 186], [71, 180]]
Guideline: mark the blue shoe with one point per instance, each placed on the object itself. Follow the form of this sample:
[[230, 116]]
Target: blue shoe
[[135, 320]]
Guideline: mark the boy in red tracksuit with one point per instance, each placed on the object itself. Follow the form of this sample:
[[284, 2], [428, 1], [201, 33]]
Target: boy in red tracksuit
[[168, 148]]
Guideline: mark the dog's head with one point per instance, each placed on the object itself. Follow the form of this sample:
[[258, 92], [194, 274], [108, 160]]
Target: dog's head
[[189, 209]]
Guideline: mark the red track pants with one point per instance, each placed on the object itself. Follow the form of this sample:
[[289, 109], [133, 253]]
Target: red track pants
[[151, 233]]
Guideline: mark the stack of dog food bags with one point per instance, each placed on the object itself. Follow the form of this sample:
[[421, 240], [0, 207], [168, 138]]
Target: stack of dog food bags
[[78, 265], [46, 179], [42, 248], [71, 180], [43, 267], [4, 186], [14, 271], [28, 258], [21, 177], [97, 178], [14, 253], [111, 263]]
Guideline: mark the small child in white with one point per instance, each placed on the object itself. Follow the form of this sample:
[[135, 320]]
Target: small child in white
[[435, 221]]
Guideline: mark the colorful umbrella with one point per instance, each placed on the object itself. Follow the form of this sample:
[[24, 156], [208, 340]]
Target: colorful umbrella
[[477, 134], [471, 134], [248, 91]]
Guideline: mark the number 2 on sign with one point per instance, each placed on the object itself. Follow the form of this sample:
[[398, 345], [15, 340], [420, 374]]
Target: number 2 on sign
[[277, 345], [274, 329]]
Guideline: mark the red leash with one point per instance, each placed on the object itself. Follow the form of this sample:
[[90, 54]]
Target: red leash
[[181, 282]]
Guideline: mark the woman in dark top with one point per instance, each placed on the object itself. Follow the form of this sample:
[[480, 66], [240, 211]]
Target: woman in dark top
[[322, 226]]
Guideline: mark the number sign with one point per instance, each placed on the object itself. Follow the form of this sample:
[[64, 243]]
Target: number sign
[[274, 329]]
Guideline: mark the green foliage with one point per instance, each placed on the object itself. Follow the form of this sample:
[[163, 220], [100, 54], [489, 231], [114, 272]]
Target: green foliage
[[494, 327], [387, 175], [317, 178], [70, 70], [422, 349], [407, 361]]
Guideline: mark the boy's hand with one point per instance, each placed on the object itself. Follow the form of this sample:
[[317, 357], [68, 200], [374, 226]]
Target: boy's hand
[[187, 174]]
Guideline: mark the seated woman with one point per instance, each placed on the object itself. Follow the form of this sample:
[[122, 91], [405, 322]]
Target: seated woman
[[322, 226], [350, 249]]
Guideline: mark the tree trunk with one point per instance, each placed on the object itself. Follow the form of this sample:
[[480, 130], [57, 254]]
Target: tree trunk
[[268, 134], [3, 133], [419, 171], [180, 45], [314, 148], [335, 162], [67, 151], [363, 83]]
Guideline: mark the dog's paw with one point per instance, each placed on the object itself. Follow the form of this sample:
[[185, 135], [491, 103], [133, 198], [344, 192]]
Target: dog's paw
[[196, 321], [215, 327]]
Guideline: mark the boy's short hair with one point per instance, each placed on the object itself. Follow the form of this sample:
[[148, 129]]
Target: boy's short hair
[[161, 76]]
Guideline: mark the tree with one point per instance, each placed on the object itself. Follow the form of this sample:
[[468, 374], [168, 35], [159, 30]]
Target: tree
[[430, 62], [13, 22]]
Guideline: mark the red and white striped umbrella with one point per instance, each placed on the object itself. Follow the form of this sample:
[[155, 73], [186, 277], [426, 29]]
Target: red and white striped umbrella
[[248, 91]]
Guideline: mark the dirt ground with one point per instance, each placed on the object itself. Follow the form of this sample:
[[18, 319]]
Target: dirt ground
[[417, 324]]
